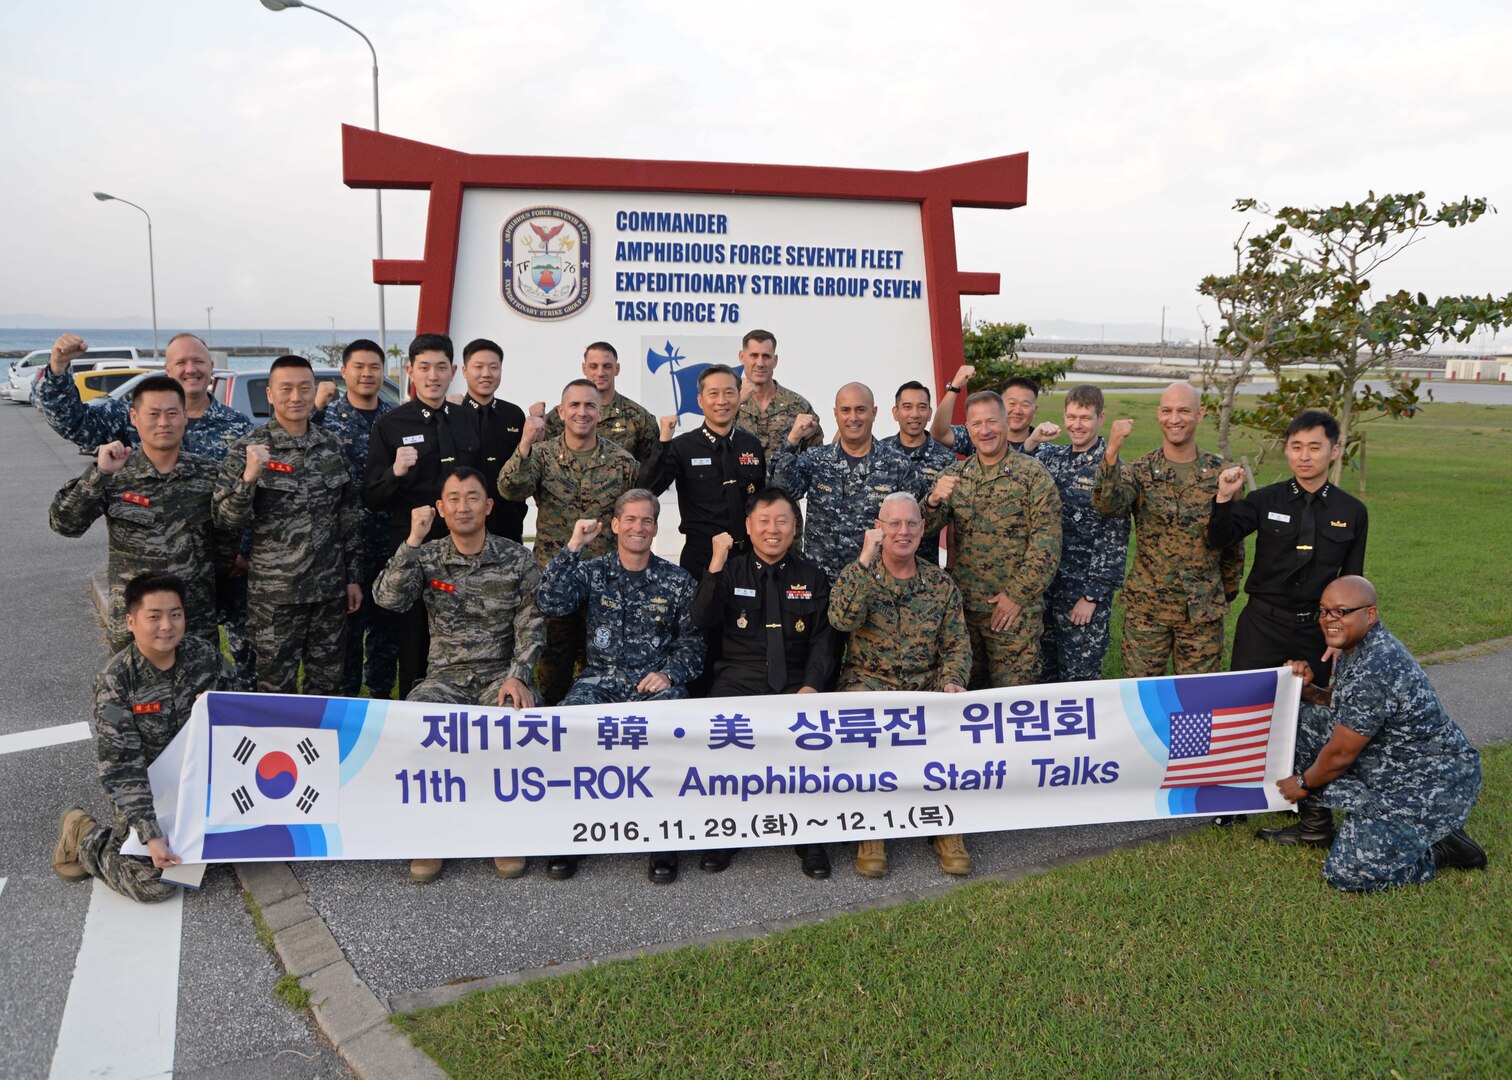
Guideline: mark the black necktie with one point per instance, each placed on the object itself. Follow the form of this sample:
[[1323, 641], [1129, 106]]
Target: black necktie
[[1307, 530], [777, 676], [734, 497]]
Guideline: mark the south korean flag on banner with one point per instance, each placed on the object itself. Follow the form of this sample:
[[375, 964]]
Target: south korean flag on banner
[[273, 776]]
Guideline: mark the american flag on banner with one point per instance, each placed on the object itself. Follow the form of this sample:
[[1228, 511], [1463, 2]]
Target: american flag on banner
[[1218, 746]]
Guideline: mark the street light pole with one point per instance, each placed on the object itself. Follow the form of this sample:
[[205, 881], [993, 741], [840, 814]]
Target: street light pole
[[280, 5], [151, 262], [209, 329]]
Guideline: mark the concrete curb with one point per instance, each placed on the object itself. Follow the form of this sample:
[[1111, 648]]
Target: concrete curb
[[351, 1016]]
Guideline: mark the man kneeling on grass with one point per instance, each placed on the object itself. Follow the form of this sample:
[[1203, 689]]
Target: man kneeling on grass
[[1380, 747], [142, 698]]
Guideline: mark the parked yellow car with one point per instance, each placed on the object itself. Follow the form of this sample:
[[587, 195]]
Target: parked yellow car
[[98, 383]]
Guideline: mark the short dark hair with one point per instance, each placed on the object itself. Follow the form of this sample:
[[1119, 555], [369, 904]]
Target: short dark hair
[[718, 369], [912, 384], [481, 344], [1024, 382], [1314, 418], [588, 383], [758, 335], [150, 582], [362, 344], [159, 384], [290, 362], [638, 494], [1087, 396], [467, 472], [769, 495], [602, 346], [430, 343]]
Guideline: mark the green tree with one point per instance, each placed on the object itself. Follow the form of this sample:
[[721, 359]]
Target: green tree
[[992, 348]]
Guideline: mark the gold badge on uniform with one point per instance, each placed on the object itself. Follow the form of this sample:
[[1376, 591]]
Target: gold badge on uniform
[[1339, 524], [741, 622], [750, 489], [798, 626]]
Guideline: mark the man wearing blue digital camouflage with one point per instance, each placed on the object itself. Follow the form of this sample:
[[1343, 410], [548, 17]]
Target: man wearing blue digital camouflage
[[1380, 747]]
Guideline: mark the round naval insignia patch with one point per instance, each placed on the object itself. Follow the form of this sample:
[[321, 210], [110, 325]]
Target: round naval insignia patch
[[601, 637], [544, 255]]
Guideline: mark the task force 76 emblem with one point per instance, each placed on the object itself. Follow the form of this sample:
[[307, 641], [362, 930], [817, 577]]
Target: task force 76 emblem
[[545, 262]]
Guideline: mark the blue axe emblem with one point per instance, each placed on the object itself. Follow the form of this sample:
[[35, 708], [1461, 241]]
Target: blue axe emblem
[[684, 375]]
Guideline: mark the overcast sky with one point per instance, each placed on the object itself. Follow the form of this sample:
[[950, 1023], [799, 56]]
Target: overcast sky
[[1143, 122]]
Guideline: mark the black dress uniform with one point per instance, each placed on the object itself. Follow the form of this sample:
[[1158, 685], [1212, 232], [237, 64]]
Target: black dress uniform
[[773, 620], [443, 439], [714, 475], [497, 432], [1304, 540]]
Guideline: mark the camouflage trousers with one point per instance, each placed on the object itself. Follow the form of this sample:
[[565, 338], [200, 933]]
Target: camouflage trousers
[[565, 646], [373, 631], [1378, 846], [132, 876], [461, 684], [1150, 646], [286, 635], [609, 689], [1071, 653], [1008, 657], [231, 613]]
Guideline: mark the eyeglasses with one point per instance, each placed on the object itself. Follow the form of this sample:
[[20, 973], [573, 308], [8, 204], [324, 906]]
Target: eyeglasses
[[1339, 612]]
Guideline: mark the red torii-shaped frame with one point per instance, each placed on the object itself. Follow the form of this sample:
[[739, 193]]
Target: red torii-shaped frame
[[374, 160]]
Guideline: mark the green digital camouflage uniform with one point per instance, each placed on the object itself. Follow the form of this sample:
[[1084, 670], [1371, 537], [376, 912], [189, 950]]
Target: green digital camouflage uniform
[[905, 634], [773, 426], [306, 549], [567, 486], [1176, 597], [153, 521], [138, 711], [624, 421], [1007, 520], [484, 626]]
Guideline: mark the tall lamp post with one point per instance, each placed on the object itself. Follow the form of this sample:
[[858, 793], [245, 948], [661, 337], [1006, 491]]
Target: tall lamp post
[[280, 5], [151, 268]]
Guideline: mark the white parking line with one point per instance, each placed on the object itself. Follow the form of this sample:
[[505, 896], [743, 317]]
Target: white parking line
[[48, 736], [2, 883], [135, 947]]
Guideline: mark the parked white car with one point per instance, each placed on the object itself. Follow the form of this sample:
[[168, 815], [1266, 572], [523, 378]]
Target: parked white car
[[25, 372]]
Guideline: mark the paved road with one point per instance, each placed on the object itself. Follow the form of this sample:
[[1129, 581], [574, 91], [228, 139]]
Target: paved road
[[401, 939]]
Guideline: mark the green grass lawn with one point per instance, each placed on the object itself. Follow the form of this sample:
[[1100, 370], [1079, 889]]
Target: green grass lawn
[[1210, 955]]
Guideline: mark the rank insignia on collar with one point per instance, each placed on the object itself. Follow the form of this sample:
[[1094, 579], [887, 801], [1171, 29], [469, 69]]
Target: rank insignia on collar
[[280, 466], [147, 707], [425, 414], [135, 499], [442, 586]]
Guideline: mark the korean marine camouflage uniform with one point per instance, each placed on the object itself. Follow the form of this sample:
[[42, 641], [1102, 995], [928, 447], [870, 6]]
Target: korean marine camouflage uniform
[[905, 634], [1007, 520], [566, 485], [484, 626], [623, 421], [842, 495], [931, 457], [154, 521], [1175, 601], [209, 436], [1415, 781], [373, 630], [138, 711], [637, 623], [306, 550], [1094, 551]]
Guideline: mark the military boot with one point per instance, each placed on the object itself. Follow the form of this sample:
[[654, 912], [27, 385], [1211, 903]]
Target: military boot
[[952, 852], [509, 866], [1315, 828], [1458, 852], [72, 828], [425, 870], [871, 858]]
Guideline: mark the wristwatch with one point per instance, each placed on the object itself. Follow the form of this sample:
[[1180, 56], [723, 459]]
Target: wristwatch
[[951, 388], [1090, 599], [1301, 783]]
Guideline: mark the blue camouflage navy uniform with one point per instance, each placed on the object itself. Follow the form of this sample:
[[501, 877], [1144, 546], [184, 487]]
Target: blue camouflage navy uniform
[[931, 457], [1094, 552], [210, 435], [1414, 782], [637, 622], [842, 495], [372, 625]]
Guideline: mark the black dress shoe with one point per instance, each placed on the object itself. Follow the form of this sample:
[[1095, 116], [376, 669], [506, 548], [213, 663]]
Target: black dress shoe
[[561, 867], [1225, 821], [1458, 852], [816, 862], [716, 861], [1314, 828], [662, 869]]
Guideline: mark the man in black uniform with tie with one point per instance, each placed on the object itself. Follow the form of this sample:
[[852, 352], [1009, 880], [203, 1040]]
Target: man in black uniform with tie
[[769, 608], [410, 452], [715, 467], [496, 429]]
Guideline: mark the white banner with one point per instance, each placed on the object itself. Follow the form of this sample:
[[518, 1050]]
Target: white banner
[[264, 776]]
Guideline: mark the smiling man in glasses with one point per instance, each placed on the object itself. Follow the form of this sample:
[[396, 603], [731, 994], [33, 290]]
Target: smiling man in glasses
[[1380, 747]]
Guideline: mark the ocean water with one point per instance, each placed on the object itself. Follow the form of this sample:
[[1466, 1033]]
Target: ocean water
[[275, 341]]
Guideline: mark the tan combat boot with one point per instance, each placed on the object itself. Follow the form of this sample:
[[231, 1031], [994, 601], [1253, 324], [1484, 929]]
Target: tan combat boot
[[509, 866], [72, 827], [952, 852], [871, 858], [424, 870]]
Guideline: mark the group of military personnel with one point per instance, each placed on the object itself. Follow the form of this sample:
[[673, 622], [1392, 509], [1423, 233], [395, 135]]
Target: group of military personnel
[[370, 538]]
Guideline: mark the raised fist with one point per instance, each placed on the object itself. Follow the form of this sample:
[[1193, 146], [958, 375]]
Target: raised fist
[[404, 460], [871, 546], [804, 425], [721, 543], [1047, 432], [945, 486], [533, 431], [110, 457], [421, 520], [668, 426], [1119, 432], [325, 393], [963, 376], [538, 409], [1230, 482], [257, 461], [67, 349], [584, 532]]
